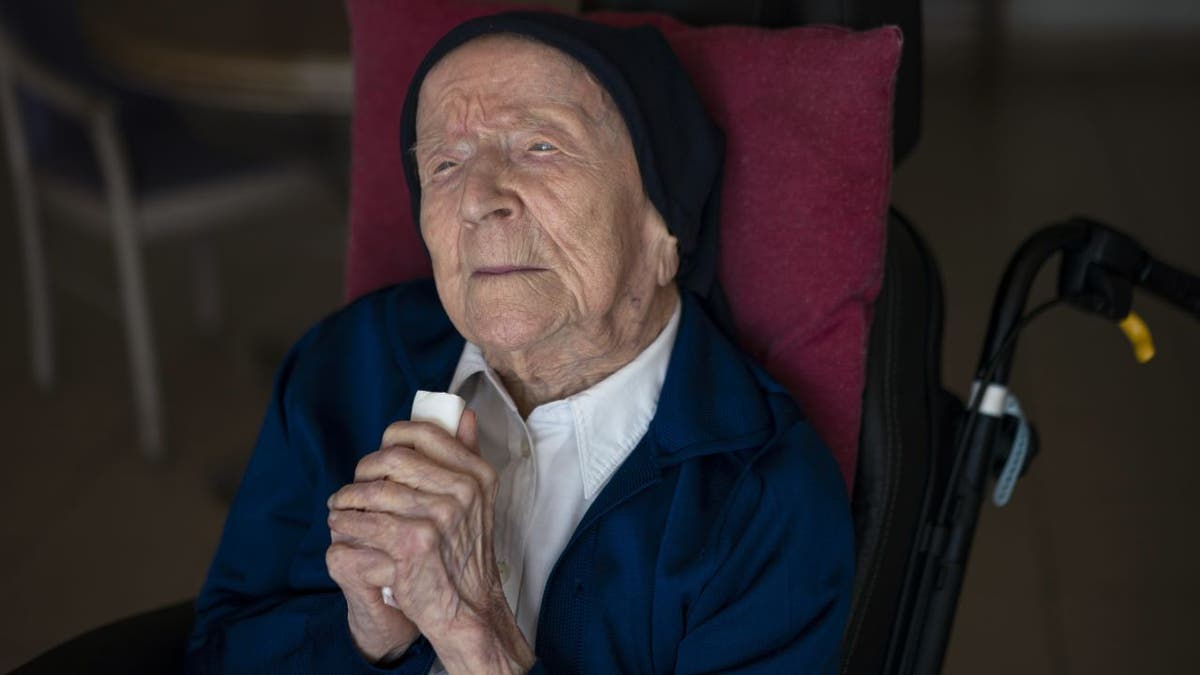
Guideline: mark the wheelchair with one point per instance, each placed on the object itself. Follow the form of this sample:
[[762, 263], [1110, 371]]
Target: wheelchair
[[926, 459]]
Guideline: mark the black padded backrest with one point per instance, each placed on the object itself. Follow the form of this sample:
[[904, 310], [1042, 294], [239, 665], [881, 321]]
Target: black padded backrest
[[858, 14], [907, 430]]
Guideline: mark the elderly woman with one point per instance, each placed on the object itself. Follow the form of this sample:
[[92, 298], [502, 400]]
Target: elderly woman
[[627, 492]]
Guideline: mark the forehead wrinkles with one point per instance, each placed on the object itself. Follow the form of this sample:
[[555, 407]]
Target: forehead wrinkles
[[497, 80]]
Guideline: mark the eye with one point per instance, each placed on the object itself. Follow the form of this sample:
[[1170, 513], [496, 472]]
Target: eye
[[444, 166], [542, 146]]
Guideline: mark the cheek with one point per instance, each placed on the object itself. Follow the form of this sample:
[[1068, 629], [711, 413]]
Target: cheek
[[581, 218], [607, 237], [588, 206], [440, 232]]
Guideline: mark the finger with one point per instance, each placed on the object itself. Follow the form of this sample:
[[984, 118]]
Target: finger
[[412, 468], [403, 432], [406, 542], [433, 442], [421, 581], [336, 537], [387, 496], [381, 527], [347, 540], [468, 431], [360, 569], [404, 465], [407, 467]]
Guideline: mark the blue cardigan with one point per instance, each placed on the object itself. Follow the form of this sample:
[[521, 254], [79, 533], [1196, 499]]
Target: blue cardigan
[[723, 543]]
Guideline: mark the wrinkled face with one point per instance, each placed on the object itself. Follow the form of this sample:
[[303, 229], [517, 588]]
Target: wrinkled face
[[531, 202]]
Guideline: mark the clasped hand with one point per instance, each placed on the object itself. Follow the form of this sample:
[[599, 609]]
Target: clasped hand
[[419, 518]]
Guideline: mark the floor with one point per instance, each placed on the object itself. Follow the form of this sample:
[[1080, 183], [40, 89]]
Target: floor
[[1089, 570]]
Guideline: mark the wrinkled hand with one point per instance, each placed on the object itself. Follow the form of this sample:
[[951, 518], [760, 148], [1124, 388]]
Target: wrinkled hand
[[380, 632], [426, 502]]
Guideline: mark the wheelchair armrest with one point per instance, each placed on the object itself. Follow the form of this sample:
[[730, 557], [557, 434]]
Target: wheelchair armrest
[[152, 642]]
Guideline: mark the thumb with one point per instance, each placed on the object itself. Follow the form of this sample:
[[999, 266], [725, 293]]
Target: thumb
[[468, 431]]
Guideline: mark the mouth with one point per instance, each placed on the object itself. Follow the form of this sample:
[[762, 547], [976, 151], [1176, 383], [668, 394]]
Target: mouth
[[502, 270]]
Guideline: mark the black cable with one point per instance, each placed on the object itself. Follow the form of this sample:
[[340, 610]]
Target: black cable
[[928, 574], [1010, 339], [976, 399]]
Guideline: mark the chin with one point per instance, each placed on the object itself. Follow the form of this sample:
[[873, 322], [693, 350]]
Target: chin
[[510, 328]]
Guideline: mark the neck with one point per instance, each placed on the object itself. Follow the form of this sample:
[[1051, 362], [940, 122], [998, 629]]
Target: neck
[[557, 369]]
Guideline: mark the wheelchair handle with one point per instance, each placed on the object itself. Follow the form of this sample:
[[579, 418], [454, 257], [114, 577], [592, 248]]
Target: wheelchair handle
[[1013, 294], [1173, 285], [1100, 268]]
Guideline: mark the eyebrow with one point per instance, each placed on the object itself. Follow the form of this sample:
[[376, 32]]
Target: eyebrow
[[429, 142], [521, 121]]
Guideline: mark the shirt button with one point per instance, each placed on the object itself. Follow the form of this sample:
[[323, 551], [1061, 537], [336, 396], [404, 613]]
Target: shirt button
[[525, 447], [503, 570]]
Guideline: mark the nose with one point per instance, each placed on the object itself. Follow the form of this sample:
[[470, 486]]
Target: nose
[[486, 198]]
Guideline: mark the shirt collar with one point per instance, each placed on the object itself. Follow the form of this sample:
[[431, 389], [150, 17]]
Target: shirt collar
[[610, 417], [469, 364]]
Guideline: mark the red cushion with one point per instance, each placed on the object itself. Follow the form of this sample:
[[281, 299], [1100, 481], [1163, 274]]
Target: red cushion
[[807, 117]]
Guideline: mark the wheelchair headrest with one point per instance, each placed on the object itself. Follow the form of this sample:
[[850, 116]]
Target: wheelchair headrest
[[807, 117]]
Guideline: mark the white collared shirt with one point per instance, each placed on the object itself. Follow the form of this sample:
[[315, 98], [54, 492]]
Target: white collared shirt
[[552, 465]]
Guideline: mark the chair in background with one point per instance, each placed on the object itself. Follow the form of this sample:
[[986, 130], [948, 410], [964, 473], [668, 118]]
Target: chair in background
[[125, 167]]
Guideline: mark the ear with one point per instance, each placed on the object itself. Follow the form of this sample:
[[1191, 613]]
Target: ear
[[662, 248], [668, 260]]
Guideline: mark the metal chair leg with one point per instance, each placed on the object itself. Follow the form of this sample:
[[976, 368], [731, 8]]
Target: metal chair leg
[[37, 287], [131, 279]]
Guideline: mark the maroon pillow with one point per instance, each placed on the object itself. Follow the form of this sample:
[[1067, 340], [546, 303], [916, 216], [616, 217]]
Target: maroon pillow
[[807, 117]]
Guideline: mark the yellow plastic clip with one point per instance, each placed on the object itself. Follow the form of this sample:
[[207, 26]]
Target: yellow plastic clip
[[1138, 334]]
